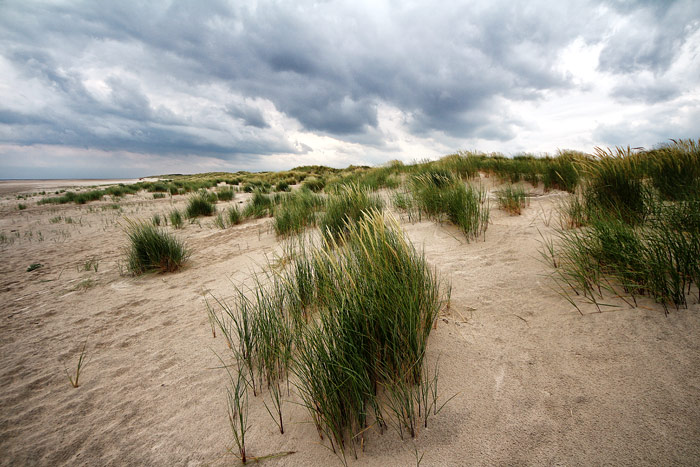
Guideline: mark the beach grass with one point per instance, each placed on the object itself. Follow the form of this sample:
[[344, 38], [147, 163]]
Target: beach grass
[[152, 249], [200, 204], [512, 198], [442, 196], [346, 320]]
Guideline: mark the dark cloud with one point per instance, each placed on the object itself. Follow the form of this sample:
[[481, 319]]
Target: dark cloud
[[250, 115], [649, 93]]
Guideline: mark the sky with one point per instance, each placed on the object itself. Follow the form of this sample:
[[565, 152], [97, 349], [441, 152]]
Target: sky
[[111, 89]]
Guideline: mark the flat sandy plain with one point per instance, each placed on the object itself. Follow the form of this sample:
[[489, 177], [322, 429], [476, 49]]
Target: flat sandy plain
[[536, 382]]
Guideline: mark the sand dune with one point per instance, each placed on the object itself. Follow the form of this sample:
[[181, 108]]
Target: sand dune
[[537, 382]]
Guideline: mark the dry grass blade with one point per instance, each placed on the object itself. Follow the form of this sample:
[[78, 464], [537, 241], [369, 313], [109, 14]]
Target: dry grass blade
[[75, 379]]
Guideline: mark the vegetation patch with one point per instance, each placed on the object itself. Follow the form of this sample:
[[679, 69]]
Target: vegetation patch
[[152, 249], [200, 204], [512, 199], [348, 323], [625, 235], [440, 195], [345, 207]]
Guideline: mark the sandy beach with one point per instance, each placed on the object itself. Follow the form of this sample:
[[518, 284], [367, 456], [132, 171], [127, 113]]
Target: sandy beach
[[536, 381]]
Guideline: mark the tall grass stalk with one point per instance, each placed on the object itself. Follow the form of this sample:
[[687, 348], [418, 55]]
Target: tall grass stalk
[[75, 380], [237, 404]]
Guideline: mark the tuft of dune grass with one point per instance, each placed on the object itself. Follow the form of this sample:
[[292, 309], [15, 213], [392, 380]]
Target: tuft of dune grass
[[151, 249]]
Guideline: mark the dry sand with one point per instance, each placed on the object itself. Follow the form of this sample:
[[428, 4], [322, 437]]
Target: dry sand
[[537, 383]]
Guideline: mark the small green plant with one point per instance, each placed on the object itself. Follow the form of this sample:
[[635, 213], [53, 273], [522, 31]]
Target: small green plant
[[176, 219], [233, 215], [512, 198], [219, 221], [158, 195], [75, 380], [259, 206], [347, 206], [151, 249], [90, 264], [155, 220], [85, 284], [440, 195], [200, 205], [21, 206], [34, 267], [225, 194]]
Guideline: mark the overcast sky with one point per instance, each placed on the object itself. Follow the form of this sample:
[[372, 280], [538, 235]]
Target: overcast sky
[[127, 89]]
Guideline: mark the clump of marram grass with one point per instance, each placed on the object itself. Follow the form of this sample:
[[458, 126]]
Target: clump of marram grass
[[225, 194], [297, 212], [346, 206], [176, 219], [512, 198], [440, 195], [377, 301], [314, 184], [615, 185], [348, 321], [562, 172], [152, 249], [675, 169], [624, 236], [282, 186], [259, 206], [200, 204], [233, 216]]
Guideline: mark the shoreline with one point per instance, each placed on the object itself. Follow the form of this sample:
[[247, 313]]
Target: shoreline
[[18, 186]]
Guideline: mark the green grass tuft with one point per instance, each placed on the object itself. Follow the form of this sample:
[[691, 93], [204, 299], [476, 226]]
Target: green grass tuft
[[297, 212], [200, 204], [349, 320], [176, 219], [439, 194], [233, 216], [345, 207], [152, 249]]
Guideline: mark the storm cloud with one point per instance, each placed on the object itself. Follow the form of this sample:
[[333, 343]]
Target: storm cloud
[[257, 85]]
